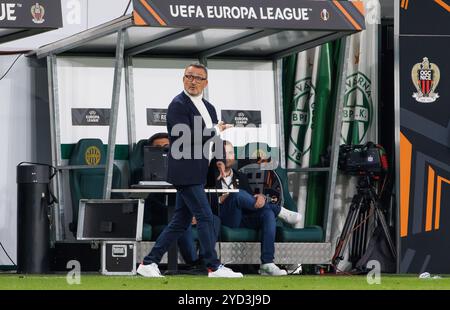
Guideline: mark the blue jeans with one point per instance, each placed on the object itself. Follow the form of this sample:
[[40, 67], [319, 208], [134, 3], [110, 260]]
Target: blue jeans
[[155, 213], [238, 211], [190, 201], [187, 247]]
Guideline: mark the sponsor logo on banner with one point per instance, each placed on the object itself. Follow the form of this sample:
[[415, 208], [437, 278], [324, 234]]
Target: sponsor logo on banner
[[358, 108], [38, 12], [426, 77], [90, 117], [8, 11], [156, 117], [241, 118], [325, 15], [92, 156]]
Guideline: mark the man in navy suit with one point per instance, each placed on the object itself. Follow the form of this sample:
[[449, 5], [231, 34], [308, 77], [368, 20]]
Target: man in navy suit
[[192, 124]]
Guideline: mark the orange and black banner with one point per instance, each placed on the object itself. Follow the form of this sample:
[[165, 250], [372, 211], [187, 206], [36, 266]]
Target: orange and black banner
[[424, 17], [424, 66], [275, 14]]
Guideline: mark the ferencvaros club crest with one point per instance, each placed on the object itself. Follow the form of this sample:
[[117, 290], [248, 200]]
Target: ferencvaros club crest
[[426, 76], [38, 12], [92, 156]]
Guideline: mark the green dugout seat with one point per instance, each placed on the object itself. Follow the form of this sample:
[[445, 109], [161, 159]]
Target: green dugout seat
[[88, 183], [286, 233], [147, 232], [228, 234], [136, 164]]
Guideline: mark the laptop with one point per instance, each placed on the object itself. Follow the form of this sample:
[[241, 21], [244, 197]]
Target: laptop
[[155, 167]]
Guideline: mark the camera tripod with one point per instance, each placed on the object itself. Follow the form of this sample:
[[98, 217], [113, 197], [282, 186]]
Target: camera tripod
[[364, 204]]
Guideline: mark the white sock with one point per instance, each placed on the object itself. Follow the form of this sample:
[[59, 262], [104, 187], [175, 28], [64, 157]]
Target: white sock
[[289, 216]]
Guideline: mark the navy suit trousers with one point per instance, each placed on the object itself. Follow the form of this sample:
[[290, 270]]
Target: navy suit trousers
[[191, 200]]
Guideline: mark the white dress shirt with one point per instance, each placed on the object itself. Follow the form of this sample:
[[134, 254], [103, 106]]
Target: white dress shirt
[[227, 182], [200, 105]]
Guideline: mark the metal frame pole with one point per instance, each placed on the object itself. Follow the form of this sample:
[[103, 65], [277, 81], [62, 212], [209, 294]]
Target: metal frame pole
[[131, 108], [397, 123], [279, 111], [58, 232], [331, 186], [114, 114]]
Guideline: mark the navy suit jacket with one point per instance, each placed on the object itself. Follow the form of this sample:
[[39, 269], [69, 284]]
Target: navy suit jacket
[[187, 170]]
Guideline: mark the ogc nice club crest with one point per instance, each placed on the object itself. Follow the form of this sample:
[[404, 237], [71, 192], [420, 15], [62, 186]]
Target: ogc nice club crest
[[426, 76], [38, 12]]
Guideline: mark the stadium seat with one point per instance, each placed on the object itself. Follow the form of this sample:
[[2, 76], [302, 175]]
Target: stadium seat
[[136, 164], [228, 234], [285, 233], [147, 232], [88, 183]]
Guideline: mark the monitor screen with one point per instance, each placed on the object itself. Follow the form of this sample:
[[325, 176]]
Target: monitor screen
[[155, 163], [113, 219]]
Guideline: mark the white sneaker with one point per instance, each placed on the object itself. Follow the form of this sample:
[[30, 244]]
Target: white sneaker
[[150, 271], [271, 270], [290, 217], [224, 272]]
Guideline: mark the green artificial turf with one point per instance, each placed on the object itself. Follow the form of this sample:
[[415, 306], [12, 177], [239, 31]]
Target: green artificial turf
[[252, 282]]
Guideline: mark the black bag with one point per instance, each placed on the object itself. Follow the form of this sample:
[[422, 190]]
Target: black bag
[[378, 249]]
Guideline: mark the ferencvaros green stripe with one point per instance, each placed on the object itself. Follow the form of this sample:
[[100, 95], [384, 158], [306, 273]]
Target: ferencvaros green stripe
[[121, 152]]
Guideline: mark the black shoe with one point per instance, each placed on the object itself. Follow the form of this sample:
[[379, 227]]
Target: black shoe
[[197, 267]]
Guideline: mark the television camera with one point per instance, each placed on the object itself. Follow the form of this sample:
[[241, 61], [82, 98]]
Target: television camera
[[360, 160], [369, 162]]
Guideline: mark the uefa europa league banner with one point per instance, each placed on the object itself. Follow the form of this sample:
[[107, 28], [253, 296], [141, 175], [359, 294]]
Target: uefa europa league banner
[[30, 14], [276, 14], [424, 157]]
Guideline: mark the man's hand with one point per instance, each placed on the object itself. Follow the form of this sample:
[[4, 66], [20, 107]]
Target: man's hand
[[223, 198], [222, 126], [260, 201], [221, 167], [194, 221]]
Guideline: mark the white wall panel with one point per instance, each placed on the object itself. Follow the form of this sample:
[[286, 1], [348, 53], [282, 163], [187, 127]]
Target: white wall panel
[[156, 83], [245, 85], [88, 83], [16, 136], [233, 85]]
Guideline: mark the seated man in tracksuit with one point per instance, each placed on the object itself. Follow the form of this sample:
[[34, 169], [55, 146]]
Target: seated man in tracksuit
[[246, 210]]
